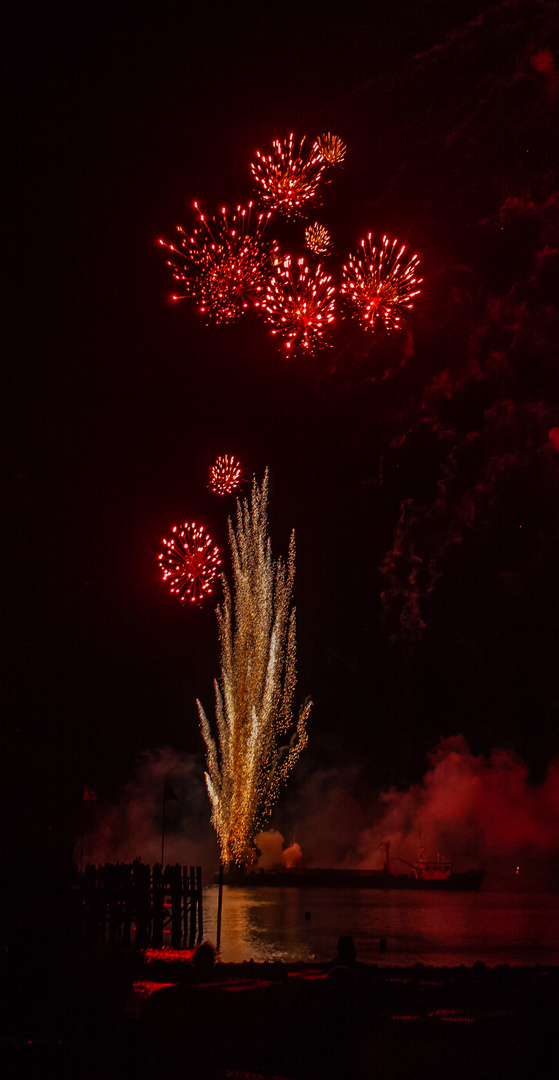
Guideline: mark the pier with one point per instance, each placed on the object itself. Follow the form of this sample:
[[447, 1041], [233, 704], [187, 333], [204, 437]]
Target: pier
[[134, 905]]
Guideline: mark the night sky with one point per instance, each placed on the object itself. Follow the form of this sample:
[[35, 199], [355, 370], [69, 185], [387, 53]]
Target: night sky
[[420, 470]]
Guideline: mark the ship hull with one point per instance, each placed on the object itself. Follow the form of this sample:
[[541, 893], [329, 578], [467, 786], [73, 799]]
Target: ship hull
[[469, 881]]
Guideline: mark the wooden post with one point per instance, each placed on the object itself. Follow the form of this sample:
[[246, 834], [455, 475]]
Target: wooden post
[[192, 891], [188, 906], [113, 904], [157, 906], [219, 906], [176, 906], [199, 898], [141, 877], [126, 905]]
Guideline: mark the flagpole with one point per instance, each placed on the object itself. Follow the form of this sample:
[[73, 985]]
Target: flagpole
[[82, 817], [87, 796], [163, 830]]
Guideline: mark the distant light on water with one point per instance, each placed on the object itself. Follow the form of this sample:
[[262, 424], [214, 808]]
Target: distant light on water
[[435, 928]]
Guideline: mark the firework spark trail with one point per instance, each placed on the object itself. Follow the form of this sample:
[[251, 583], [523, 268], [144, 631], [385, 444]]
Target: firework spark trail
[[287, 182], [225, 475], [300, 307], [225, 268], [254, 702], [190, 562], [379, 284]]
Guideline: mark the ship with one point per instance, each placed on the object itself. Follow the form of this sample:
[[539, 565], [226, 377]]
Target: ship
[[436, 874]]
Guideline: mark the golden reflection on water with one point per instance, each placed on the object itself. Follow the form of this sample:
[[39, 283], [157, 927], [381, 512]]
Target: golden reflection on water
[[259, 924], [435, 928]]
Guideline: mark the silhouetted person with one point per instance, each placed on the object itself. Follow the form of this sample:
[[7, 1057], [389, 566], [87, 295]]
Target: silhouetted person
[[343, 1019], [544, 1016], [203, 962], [347, 953]]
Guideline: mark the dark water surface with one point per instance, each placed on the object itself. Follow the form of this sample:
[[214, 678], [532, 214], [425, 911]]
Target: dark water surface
[[440, 929]]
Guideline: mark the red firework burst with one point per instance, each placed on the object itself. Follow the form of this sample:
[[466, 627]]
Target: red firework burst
[[380, 284], [287, 181], [190, 562], [224, 267], [225, 475], [300, 306]]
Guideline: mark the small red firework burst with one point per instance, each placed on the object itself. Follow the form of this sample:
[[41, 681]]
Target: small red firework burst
[[331, 148], [190, 562], [318, 239], [224, 267], [380, 283], [225, 475], [288, 182], [300, 305]]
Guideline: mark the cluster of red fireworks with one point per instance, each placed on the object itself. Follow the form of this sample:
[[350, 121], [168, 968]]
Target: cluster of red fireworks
[[300, 305], [286, 180], [378, 284], [225, 269], [190, 560], [229, 266]]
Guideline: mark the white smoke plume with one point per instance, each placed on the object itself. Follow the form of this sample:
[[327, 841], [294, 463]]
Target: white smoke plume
[[273, 855]]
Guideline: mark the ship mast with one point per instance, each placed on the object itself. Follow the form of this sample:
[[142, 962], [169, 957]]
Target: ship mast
[[386, 845]]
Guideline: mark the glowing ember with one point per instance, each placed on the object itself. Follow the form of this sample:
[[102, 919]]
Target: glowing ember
[[190, 562], [300, 306], [331, 148], [254, 702], [225, 475], [380, 283], [224, 267], [318, 239], [286, 180]]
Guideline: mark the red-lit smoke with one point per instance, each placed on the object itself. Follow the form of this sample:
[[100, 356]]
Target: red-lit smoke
[[131, 827], [475, 440], [472, 809], [478, 811]]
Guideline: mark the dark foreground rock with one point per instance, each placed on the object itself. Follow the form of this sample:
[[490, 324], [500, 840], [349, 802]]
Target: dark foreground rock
[[360, 1021], [125, 1019]]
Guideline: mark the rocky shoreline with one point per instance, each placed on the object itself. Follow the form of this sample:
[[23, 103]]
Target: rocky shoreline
[[128, 1017]]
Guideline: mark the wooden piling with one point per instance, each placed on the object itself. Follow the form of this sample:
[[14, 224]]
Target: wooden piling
[[177, 906], [193, 908], [199, 904], [115, 898]]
